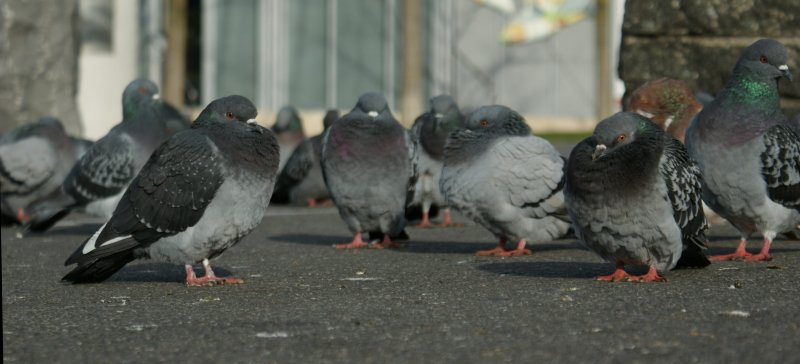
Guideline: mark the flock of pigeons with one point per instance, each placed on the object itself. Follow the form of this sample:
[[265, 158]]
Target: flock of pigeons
[[632, 192]]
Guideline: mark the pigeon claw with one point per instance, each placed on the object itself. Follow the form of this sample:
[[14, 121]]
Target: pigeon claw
[[386, 243], [760, 257], [494, 252], [357, 243], [651, 276], [514, 253], [352, 245], [209, 279], [617, 276], [212, 281]]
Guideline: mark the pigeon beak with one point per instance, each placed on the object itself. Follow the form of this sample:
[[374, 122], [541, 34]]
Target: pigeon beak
[[785, 71], [373, 114], [252, 121], [599, 151], [438, 115], [156, 96]]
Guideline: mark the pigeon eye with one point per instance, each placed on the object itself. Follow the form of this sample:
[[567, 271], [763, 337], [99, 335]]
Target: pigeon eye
[[621, 138], [484, 123], [229, 115], [141, 90], [763, 59]]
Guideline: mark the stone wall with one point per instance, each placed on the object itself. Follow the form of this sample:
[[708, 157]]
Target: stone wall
[[39, 43], [699, 41]]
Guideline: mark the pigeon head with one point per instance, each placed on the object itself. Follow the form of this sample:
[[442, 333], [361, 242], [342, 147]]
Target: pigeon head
[[619, 130], [228, 109], [288, 119], [497, 119], [138, 91], [372, 104], [764, 59], [330, 117], [446, 113]]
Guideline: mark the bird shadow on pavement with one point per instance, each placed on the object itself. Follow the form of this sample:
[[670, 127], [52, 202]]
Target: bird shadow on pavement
[[159, 272], [446, 247], [80, 229], [549, 269], [311, 239]]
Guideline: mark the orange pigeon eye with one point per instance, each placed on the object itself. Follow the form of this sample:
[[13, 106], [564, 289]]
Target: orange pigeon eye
[[484, 123], [621, 137], [763, 59], [229, 115]]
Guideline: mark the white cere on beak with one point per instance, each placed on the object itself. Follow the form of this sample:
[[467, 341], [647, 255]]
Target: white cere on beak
[[644, 113], [252, 121], [783, 67], [438, 115], [373, 114], [156, 96], [598, 151]]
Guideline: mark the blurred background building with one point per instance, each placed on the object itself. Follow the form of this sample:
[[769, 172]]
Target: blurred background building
[[555, 61]]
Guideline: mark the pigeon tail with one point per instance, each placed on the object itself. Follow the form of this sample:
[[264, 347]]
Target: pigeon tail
[[100, 269], [693, 256]]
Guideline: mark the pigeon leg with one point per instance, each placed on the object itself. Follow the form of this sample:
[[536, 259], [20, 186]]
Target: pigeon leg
[[650, 276], [357, 243], [426, 222], [386, 243], [447, 220], [763, 255], [22, 216], [519, 251], [618, 275], [500, 248], [739, 254], [210, 279], [311, 202]]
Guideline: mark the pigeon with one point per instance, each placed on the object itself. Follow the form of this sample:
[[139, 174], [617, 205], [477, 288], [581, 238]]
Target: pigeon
[[669, 103], [748, 155], [201, 192], [174, 120], [34, 159], [99, 178], [497, 173], [794, 123], [431, 130], [368, 163], [633, 196], [288, 128], [301, 182]]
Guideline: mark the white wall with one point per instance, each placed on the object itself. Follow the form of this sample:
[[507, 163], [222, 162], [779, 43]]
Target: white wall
[[103, 75]]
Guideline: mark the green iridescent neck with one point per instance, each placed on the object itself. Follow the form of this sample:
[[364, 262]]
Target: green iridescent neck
[[758, 93]]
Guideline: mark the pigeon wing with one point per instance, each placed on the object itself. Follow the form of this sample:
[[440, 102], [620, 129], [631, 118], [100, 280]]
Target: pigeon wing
[[683, 181], [781, 166], [106, 168]]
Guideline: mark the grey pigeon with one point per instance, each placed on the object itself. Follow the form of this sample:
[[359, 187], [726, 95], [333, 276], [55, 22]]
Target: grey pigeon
[[99, 178], [300, 181], [200, 193], [369, 171], [288, 129], [749, 157], [506, 179], [431, 130], [174, 120], [634, 198], [34, 159]]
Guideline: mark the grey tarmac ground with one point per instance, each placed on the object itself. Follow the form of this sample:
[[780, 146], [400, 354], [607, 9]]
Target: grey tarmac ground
[[430, 301]]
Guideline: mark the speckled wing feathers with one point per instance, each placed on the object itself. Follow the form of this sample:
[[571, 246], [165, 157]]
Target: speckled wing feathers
[[781, 166]]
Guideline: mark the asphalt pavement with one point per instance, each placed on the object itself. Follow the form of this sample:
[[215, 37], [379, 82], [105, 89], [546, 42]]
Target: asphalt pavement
[[432, 301]]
